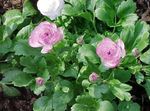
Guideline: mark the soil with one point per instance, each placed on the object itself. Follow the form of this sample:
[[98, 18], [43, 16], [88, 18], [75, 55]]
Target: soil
[[143, 10], [22, 103], [25, 101]]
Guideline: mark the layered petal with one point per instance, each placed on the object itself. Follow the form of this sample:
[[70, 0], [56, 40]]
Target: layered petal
[[110, 52], [45, 35], [50, 8]]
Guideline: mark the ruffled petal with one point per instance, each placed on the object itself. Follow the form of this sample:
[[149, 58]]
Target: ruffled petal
[[33, 42], [46, 49], [121, 45]]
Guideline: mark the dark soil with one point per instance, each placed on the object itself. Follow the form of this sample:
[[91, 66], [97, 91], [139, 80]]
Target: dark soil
[[139, 95], [10, 4], [25, 101], [143, 10], [22, 103]]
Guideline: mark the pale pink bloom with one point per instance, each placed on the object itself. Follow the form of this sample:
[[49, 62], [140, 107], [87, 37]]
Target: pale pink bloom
[[110, 52], [93, 77], [45, 35], [39, 81]]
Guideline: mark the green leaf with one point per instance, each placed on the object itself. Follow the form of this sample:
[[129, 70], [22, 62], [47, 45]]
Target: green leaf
[[78, 5], [39, 89], [96, 91], [145, 57], [58, 102], [86, 15], [17, 77], [25, 32], [146, 69], [128, 106], [143, 42], [5, 46], [91, 4], [76, 11], [141, 35], [28, 9], [106, 106], [29, 63], [22, 48], [69, 10], [147, 87], [10, 91], [127, 35], [120, 90], [85, 103], [85, 83], [10, 75], [22, 80], [87, 51], [74, 8], [122, 75], [34, 65], [42, 104], [139, 78], [13, 16], [2, 27], [4, 67], [105, 14], [125, 8], [97, 38], [71, 72], [128, 20], [8, 30]]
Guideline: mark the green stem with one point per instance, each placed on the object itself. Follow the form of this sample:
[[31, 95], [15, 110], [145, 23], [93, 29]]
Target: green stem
[[115, 24], [93, 22]]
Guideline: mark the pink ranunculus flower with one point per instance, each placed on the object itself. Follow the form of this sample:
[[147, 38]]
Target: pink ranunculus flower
[[45, 35], [111, 52]]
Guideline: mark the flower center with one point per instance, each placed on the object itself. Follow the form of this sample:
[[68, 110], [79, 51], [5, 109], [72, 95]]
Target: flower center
[[109, 53], [46, 34]]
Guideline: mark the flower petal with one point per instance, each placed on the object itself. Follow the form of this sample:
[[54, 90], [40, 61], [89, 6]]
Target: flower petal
[[46, 49], [121, 45], [33, 41]]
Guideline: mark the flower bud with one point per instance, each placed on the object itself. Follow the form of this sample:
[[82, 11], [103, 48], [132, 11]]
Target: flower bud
[[39, 81], [135, 52], [93, 77], [80, 40]]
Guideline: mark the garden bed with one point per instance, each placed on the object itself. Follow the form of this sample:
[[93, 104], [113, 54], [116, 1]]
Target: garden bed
[[25, 101]]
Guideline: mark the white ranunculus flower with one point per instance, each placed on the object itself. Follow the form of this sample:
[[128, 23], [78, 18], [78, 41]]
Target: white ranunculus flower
[[50, 8]]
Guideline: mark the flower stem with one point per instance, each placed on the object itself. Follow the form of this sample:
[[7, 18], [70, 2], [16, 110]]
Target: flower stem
[[93, 22]]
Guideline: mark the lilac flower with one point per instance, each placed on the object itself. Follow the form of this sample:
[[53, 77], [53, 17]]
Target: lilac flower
[[110, 52], [50, 8], [39, 81], [93, 77], [45, 35]]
